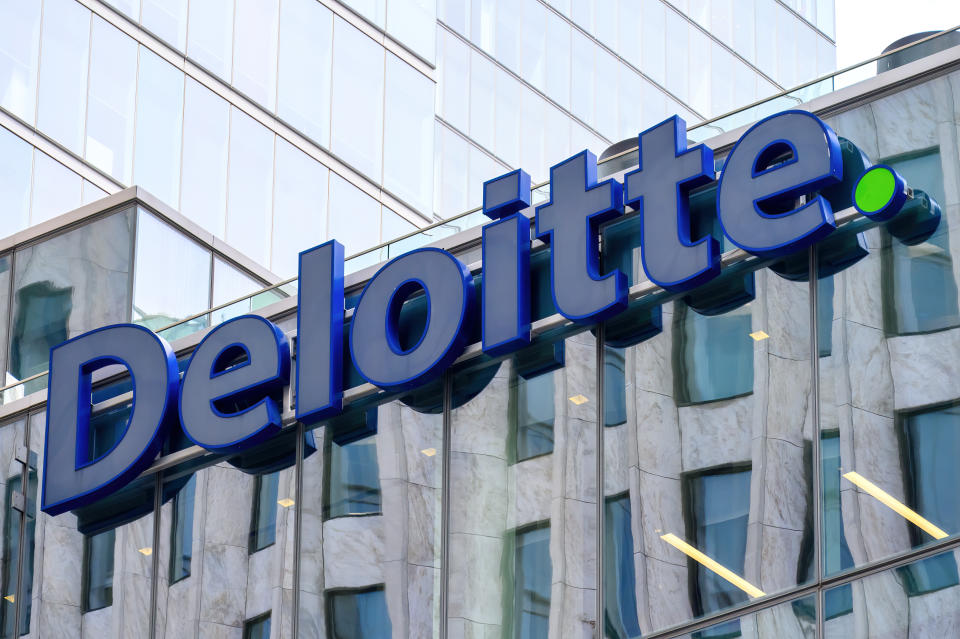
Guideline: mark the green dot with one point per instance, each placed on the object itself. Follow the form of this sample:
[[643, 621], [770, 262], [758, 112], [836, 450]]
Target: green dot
[[875, 189]]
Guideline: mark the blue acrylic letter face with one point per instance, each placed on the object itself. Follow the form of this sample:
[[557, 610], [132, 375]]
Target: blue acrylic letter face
[[660, 190], [70, 478], [227, 406], [777, 160], [374, 345], [320, 333], [569, 221]]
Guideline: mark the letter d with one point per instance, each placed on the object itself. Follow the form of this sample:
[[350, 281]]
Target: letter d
[[71, 477]]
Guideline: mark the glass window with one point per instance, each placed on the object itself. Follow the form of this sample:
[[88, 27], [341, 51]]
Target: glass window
[[713, 355], [98, 570], [558, 53], [393, 226], [620, 617], [582, 77], [825, 290], [532, 412], [19, 52], [5, 263], [352, 474], [263, 522], [59, 287], [357, 127], [931, 441], [507, 37], [165, 260], [299, 206], [358, 614], [230, 283], [408, 135], [413, 22], [257, 628], [482, 88], [453, 173], [110, 101], [534, 44], [654, 42], [717, 505], [250, 193], [507, 131], [482, 24], [533, 574], [303, 91], [255, 50], [210, 35], [56, 189], [156, 164], [456, 15], [354, 216], [90, 192], [614, 386], [16, 164], [181, 531], [454, 81], [167, 19], [63, 72], [373, 10], [206, 133], [11, 551]]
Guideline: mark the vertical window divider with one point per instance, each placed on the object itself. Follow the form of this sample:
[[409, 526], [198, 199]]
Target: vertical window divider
[[25, 491], [816, 471], [297, 527], [601, 532], [155, 555], [445, 502]]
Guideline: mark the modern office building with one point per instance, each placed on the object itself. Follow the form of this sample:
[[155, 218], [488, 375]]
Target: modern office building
[[794, 433]]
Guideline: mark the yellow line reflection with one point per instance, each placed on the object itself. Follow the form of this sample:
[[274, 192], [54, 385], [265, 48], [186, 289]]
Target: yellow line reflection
[[884, 498], [716, 567]]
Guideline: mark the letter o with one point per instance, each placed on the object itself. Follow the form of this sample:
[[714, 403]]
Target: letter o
[[374, 344]]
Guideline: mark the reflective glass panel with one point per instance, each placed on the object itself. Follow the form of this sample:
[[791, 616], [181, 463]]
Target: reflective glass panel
[[620, 617], [98, 558], [16, 164], [181, 531], [354, 216], [12, 524], [167, 19], [110, 101], [230, 283], [250, 193], [358, 614], [532, 410], [156, 164], [257, 628], [303, 91], [408, 135], [352, 478], [255, 50], [19, 53], [62, 99], [263, 523], [165, 260], [210, 35], [357, 118], [413, 22], [203, 180], [299, 207], [56, 189], [713, 355]]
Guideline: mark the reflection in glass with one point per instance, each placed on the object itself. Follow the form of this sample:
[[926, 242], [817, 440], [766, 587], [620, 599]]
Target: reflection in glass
[[56, 189], [250, 192], [717, 505], [156, 164], [614, 386], [358, 614], [257, 628], [303, 91], [16, 160], [531, 412], [354, 216], [357, 118], [712, 355], [167, 19], [255, 50], [11, 550], [98, 570], [210, 35], [263, 522], [529, 563], [299, 205], [40, 323], [62, 96], [181, 531], [110, 106], [352, 475], [165, 260], [206, 132], [620, 618], [230, 283], [408, 135], [19, 53]]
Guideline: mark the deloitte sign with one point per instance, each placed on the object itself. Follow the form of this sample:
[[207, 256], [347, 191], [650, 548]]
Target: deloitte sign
[[769, 200]]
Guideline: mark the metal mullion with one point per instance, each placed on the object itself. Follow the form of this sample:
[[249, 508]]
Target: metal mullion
[[445, 503], [24, 490], [814, 304], [155, 578], [297, 529], [601, 500]]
